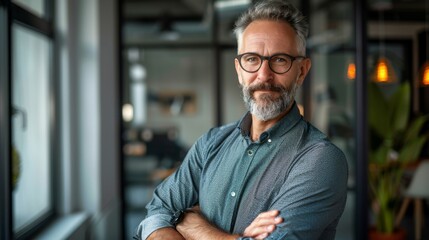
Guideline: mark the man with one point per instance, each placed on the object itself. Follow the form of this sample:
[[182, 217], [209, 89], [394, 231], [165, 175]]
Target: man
[[271, 174]]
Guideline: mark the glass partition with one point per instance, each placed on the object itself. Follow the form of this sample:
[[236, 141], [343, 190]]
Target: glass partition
[[332, 87], [167, 104], [174, 89]]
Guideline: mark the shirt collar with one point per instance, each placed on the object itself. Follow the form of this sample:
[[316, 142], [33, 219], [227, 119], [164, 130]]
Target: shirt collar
[[278, 130]]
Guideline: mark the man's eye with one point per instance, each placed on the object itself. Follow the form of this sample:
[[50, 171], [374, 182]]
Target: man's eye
[[251, 59], [279, 60]]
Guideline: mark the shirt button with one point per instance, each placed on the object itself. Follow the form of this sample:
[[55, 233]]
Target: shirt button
[[250, 152], [232, 194], [269, 140]]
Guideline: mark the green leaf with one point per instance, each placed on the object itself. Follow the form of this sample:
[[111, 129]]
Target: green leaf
[[411, 150], [379, 156], [391, 131], [399, 104], [378, 111], [385, 221], [415, 127]]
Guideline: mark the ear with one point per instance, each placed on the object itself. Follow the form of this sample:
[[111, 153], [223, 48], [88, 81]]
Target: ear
[[238, 70], [304, 69]]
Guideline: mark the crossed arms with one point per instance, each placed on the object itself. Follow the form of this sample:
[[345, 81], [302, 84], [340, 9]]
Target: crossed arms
[[310, 201], [194, 226]]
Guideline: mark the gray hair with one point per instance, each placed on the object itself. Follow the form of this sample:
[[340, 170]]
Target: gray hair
[[276, 10]]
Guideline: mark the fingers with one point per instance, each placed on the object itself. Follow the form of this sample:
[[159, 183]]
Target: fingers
[[262, 236], [268, 214], [259, 231], [264, 224], [267, 219]]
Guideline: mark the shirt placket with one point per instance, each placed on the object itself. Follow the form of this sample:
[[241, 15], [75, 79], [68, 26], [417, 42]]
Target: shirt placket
[[237, 186]]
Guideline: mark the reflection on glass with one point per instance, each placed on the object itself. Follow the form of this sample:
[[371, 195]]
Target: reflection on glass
[[30, 126]]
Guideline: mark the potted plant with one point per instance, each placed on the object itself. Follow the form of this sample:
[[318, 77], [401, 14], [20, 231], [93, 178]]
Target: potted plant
[[395, 143]]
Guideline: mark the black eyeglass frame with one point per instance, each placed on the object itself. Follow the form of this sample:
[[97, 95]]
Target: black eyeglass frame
[[268, 58]]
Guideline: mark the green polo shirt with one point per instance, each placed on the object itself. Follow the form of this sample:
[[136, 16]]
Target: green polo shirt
[[293, 168]]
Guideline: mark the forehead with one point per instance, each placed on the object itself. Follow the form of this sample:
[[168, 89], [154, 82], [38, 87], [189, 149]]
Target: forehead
[[269, 36]]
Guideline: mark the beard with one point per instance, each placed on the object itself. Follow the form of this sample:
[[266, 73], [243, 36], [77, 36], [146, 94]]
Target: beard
[[268, 106]]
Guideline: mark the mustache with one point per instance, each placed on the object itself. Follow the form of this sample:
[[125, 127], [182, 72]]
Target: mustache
[[266, 87]]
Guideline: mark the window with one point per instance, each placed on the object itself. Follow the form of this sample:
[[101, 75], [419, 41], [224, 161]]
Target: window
[[30, 126], [26, 117]]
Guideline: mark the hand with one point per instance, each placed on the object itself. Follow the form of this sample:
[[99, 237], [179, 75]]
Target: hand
[[264, 224], [167, 233], [195, 226]]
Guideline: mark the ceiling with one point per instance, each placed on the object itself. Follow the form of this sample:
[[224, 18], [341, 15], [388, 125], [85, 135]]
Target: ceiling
[[196, 10], [193, 18], [190, 19], [151, 10], [400, 10]]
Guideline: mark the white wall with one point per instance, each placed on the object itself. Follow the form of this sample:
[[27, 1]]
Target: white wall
[[87, 34]]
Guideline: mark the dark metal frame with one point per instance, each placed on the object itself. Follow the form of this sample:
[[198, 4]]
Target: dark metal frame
[[217, 68], [5, 136], [30, 20], [361, 208]]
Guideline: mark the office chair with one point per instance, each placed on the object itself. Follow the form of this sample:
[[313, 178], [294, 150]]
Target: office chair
[[416, 191]]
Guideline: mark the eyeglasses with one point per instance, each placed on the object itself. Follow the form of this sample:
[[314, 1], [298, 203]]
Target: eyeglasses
[[279, 63]]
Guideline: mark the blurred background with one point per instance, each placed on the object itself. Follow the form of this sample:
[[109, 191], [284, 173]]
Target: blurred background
[[101, 99]]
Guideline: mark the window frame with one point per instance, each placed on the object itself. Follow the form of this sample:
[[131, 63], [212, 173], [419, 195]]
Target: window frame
[[5, 137], [11, 14]]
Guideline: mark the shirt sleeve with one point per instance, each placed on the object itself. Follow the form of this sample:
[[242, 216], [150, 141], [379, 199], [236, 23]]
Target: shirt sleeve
[[312, 199], [177, 192]]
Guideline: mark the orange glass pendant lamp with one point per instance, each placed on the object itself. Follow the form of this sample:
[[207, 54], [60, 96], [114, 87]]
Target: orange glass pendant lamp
[[425, 74], [384, 72], [351, 71]]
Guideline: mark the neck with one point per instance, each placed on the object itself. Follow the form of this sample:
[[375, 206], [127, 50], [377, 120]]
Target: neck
[[259, 126]]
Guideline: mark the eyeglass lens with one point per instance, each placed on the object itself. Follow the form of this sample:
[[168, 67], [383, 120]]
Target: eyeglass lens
[[279, 63]]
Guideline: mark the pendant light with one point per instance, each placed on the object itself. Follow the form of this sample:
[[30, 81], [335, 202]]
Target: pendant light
[[424, 79], [351, 71], [424, 71], [383, 71]]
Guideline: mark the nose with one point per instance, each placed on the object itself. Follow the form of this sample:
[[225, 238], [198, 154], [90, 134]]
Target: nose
[[265, 73]]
